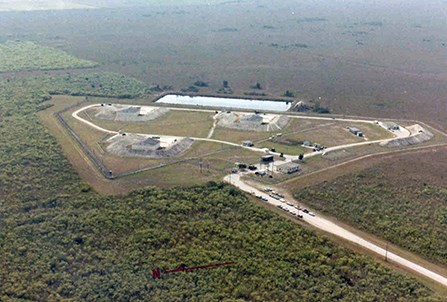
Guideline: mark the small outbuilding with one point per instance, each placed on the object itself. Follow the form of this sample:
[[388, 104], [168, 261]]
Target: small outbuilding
[[288, 168], [267, 158], [355, 131]]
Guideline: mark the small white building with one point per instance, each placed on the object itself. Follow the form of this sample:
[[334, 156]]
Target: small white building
[[355, 131], [288, 168], [149, 144]]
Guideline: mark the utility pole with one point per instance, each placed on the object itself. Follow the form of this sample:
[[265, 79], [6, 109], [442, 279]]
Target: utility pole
[[386, 252]]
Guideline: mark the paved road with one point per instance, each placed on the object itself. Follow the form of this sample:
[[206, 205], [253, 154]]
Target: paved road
[[330, 227]]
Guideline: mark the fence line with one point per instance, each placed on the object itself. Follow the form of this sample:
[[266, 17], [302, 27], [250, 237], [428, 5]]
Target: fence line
[[100, 165], [90, 154]]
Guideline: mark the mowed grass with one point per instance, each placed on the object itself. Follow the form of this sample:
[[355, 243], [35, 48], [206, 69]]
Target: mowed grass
[[25, 55], [175, 123], [336, 133], [282, 147], [203, 162], [237, 136]]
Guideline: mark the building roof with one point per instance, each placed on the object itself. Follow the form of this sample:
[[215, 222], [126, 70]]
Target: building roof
[[353, 129], [148, 142], [267, 156]]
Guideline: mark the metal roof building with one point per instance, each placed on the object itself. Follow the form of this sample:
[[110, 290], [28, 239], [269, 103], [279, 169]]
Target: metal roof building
[[288, 168]]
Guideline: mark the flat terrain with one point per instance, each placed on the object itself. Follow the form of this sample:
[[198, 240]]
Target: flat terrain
[[203, 162], [175, 123], [18, 56], [315, 50], [60, 240], [397, 200]]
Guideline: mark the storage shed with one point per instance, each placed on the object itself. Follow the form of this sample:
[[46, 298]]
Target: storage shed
[[288, 168]]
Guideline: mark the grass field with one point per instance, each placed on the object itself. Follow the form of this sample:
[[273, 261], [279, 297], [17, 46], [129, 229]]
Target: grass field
[[18, 56], [215, 159], [336, 133], [176, 123]]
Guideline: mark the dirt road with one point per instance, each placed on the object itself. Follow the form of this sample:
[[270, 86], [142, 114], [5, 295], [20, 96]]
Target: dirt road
[[332, 228]]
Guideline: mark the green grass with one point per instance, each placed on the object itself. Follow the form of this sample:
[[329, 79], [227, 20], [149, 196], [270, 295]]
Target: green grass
[[24, 55], [290, 149], [176, 123]]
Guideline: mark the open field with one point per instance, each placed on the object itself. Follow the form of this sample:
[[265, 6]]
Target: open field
[[183, 122], [176, 123], [216, 159], [123, 165], [339, 64]]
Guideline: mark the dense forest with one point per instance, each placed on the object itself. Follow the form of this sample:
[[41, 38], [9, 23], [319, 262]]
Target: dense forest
[[59, 240], [26, 55], [409, 212]]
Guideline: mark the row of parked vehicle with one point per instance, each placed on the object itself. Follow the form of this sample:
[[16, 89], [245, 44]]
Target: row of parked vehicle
[[280, 197], [291, 211]]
